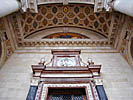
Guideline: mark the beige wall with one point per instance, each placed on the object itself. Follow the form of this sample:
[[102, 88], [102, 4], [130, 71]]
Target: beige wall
[[16, 74]]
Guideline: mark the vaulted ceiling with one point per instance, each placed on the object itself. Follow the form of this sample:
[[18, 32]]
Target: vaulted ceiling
[[72, 25], [65, 17]]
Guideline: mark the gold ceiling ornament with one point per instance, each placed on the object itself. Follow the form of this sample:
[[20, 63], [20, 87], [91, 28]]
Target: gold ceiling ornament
[[60, 15], [65, 9], [70, 16], [65, 15]]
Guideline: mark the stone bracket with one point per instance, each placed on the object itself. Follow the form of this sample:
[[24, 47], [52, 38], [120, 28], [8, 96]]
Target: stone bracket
[[24, 5], [31, 4], [99, 4], [65, 2]]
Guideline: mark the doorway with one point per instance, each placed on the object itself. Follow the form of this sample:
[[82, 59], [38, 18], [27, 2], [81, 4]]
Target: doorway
[[66, 94]]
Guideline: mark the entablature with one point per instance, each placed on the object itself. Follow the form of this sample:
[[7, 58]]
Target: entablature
[[65, 77], [33, 4], [66, 71]]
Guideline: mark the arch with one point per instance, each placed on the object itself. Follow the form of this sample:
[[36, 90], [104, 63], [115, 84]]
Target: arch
[[89, 34], [130, 51], [2, 52]]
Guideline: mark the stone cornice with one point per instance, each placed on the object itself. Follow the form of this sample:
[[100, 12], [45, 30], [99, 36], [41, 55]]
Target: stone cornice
[[62, 1], [65, 42]]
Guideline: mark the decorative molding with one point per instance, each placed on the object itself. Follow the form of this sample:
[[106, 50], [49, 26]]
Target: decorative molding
[[125, 41], [116, 19], [6, 46], [32, 5], [3, 53], [18, 34], [91, 93], [54, 75], [35, 81], [50, 16], [99, 4], [108, 5], [98, 81], [130, 51], [24, 5], [39, 90], [40, 2], [93, 86], [65, 42]]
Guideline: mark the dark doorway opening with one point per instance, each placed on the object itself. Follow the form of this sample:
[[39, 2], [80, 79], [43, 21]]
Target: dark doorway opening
[[66, 94]]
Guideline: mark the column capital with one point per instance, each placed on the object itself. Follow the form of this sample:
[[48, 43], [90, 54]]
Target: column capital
[[35, 81], [98, 81]]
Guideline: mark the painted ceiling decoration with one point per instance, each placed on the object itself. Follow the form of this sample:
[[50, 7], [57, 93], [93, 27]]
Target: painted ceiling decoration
[[66, 36], [58, 15], [70, 15], [6, 49]]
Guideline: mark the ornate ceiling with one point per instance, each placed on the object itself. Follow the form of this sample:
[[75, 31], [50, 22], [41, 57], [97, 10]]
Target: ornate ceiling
[[57, 15], [54, 23], [71, 15]]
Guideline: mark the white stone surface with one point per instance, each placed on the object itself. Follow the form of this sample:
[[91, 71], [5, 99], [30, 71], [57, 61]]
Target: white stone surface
[[117, 75], [8, 6], [124, 7], [16, 73]]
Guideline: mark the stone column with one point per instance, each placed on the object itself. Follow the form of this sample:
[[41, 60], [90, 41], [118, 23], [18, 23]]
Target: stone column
[[124, 6], [33, 89], [9, 6], [100, 89]]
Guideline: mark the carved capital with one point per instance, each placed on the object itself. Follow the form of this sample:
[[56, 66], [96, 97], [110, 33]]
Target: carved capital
[[98, 81], [35, 81]]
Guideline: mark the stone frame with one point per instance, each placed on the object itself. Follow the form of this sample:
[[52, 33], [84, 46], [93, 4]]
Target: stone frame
[[89, 87]]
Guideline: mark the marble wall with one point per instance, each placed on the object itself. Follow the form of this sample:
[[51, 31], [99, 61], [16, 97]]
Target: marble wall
[[6, 48], [125, 40], [16, 73]]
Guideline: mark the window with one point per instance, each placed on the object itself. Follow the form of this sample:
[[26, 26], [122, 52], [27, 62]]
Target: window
[[67, 94]]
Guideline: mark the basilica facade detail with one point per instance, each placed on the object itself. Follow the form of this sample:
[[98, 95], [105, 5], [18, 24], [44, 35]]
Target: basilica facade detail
[[67, 72]]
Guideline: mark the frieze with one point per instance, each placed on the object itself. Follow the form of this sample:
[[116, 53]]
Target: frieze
[[69, 42], [90, 89]]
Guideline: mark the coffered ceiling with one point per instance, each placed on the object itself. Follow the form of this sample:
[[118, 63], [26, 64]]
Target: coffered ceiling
[[52, 16]]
